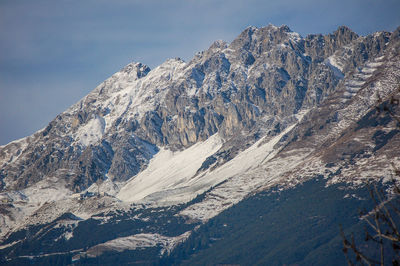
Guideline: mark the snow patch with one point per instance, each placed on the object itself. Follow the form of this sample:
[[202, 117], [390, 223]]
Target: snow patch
[[169, 171], [106, 186], [243, 174], [92, 132], [335, 65], [9, 244], [138, 241]]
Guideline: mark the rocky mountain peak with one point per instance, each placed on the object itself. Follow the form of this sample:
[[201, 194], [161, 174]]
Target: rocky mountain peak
[[284, 28], [218, 45], [345, 33], [342, 36], [136, 70], [261, 39], [395, 37]]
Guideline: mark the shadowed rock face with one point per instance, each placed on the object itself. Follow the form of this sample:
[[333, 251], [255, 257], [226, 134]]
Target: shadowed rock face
[[244, 90]]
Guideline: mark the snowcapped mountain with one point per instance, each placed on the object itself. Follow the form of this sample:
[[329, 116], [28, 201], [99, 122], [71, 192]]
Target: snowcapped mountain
[[150, 155]]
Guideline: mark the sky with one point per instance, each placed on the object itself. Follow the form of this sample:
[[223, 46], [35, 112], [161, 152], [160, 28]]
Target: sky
[[53, 53]]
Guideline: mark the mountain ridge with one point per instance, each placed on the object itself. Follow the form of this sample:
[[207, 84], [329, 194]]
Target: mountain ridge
[[270, 108]]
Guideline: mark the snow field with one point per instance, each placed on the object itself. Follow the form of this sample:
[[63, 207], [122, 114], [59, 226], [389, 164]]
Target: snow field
[[170, 171]]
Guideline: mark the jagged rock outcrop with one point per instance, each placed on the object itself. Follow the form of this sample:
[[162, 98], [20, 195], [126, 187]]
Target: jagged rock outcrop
[[250, 87]]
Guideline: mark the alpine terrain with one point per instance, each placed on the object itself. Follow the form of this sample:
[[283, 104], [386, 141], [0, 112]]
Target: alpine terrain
[[253, 152]]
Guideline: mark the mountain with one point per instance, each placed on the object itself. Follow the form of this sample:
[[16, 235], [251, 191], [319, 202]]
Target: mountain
[[150, 158]]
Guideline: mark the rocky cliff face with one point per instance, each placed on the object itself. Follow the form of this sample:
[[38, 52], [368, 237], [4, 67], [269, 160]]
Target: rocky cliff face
[[269, 108], [251, 87]]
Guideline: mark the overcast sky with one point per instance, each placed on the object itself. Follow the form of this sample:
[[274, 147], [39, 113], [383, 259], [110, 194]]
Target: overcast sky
[[52, 53]]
